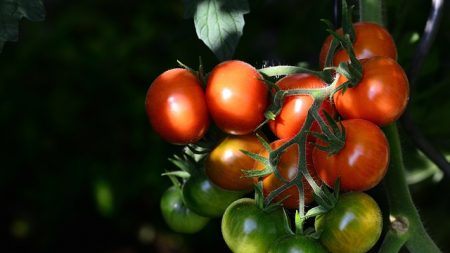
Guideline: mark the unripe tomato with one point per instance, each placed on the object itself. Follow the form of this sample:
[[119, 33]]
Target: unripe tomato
[[381, 96], [361, 163], [288, 168], [248, 229], [370, 40], [352, 226], [237, 97], [225, 163], [177, 216], [297, 243], [176, 107], [295, 108], [206, 198]]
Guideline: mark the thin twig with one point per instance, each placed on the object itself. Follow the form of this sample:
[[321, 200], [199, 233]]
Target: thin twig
[[418, 138]]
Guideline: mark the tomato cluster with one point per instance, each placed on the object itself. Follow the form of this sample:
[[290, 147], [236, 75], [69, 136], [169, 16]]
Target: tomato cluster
[[320, 135]]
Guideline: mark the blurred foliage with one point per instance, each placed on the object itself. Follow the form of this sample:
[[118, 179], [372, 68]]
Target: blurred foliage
[[80, 167]]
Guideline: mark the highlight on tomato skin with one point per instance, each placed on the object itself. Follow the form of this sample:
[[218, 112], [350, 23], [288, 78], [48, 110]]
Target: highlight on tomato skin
[[176, 107], [381, 96], [225, 162], [237, 97], [370, 40], [293, 114], [363, 161], [288, 168]]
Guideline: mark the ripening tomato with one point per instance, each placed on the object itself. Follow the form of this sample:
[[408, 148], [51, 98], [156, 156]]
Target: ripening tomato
[[381, 96], [237, 97], [205, 198], [295, 108], [225, 163], [176, 107], [177, 216], [370, 40], [361, 163], [288, 168], [248, 229], [297, 243], [352, 226]]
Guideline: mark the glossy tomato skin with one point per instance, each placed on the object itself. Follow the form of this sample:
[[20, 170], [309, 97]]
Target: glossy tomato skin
[[207, 199], [381, 96], [177, 216], [361, 163], [353, 226], [248, 229], [176, 107], [370, 40], [288, 168], [297, 243], [237, 97], [225, 163], [295, 108]]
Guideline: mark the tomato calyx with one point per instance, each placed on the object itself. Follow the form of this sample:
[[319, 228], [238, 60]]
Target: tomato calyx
[[333, 134], [200, 73]]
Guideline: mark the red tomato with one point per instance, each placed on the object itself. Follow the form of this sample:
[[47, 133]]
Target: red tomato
[[361, 163], [370, 40], [295, 108], [176, 107], [225, 163], [236, 97], [381, 96], [288, 168]]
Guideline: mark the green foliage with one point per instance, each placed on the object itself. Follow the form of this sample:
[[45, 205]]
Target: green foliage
[[218, 23], [12, 11]]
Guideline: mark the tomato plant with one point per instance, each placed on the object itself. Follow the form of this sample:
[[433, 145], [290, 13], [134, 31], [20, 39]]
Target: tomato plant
[[292, 116], [177, 216], [361, 163], [225, 163], [381, 95], [370, 40], [236, 96], [205, 198], [297, 243], [176, 107], [352, 226], [288, 168], [248, 229]]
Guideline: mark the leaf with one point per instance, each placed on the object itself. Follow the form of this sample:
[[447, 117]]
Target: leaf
[[12, 11], [218, 23]]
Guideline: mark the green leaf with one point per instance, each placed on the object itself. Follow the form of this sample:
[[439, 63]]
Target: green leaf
[[12, 11], [218, 23]]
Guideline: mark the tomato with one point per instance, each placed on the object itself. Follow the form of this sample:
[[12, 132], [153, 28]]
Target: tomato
[[248, 229], [176, 107], [381, 96], [177, 216], [370, 40], [288, 168], [205, 198], [225, 163], [361, 163], [295, 108], [237, 97], [297, 243], [352, 226]]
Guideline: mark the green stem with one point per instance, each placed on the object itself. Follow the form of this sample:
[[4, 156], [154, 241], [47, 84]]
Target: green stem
[[405, 226]]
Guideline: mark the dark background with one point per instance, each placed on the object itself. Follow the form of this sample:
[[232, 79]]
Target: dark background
[[80, 167]]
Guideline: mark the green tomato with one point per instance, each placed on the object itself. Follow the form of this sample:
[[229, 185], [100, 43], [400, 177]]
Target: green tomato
[[352, 226], [207, 199], [297, 244], [177, 216], [248, 229]]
